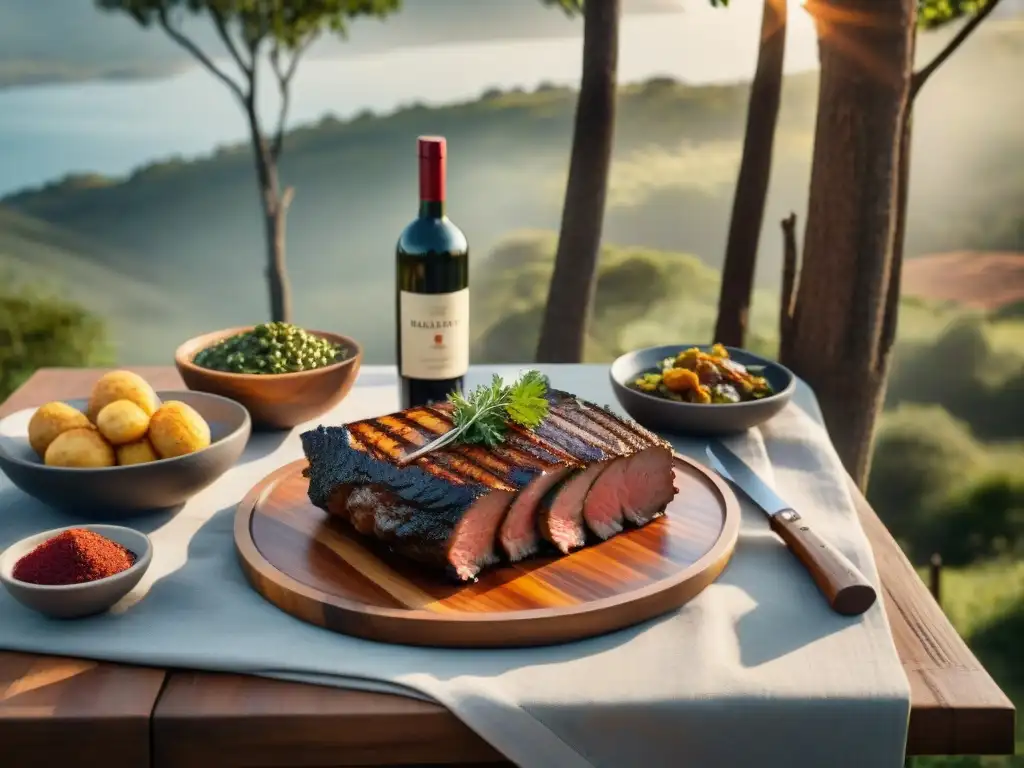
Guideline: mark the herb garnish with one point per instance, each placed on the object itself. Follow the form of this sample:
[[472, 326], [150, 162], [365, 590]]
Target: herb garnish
[[483, 415]]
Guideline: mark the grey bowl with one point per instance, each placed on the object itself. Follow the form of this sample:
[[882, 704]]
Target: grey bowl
[[663, 415], [76, 600], [134, 488]]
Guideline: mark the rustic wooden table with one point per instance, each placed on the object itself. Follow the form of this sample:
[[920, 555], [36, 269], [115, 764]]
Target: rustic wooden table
[[57, 711]]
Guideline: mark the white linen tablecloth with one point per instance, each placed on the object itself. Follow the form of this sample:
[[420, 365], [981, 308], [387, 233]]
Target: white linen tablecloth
[[756, 671]]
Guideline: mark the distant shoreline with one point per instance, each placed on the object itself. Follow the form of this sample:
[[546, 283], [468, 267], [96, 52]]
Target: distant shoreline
[[40, 73]]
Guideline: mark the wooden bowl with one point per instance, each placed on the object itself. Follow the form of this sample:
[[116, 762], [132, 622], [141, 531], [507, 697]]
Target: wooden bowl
[[274, 400], [663, 415], [72, 601]]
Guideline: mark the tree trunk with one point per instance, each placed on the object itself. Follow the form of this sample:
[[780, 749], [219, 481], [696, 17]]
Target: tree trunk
[[275, 210], [752, 182], [277, 275], [838, 344], [899, 231], [570, 297]]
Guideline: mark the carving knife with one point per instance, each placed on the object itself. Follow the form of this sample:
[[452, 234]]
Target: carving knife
[[845, 587]]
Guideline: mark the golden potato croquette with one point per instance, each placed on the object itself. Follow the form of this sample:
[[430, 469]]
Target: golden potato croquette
[[51, 420], [139, 452], [177, 429], [122, 385], [122, 421], [80, 447]]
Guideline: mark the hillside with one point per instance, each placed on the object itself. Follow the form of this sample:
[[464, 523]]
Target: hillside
[[33, 252], [195, 230]]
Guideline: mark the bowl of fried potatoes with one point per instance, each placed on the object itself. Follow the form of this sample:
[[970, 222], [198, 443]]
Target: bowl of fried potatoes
[[124, 449]]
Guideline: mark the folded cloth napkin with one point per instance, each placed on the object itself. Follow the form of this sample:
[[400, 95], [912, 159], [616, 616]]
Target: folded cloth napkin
[[755, 671]]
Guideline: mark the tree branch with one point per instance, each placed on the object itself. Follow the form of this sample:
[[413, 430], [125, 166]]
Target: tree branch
[[221, 25], [920, 77], [199, 54], [790, 269], [284, 79]]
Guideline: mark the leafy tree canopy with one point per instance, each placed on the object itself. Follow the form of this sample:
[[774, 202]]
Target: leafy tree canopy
[[932, 14], [246, 26], [288, 22]]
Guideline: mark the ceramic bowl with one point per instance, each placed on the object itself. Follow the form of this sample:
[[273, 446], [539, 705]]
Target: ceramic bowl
[[134, 488], [275, 400], [77, 600], [659, 414]]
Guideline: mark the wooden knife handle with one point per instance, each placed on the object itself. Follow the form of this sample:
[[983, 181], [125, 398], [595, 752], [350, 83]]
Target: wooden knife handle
[[848, 592]]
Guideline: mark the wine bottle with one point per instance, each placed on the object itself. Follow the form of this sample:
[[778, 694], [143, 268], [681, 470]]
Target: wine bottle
[[432, 306]]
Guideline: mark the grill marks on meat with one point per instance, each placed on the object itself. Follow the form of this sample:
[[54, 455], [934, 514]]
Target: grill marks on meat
[[452, 507]]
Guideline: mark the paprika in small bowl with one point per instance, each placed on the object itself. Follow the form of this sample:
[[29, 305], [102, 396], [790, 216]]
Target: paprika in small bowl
[[75, 571]]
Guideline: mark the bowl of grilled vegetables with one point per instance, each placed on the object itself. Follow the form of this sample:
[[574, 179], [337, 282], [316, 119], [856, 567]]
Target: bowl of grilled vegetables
[[700, 389]]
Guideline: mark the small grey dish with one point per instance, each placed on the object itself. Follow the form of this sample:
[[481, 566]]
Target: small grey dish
[[74, 601], [132, 489], [661, 415]]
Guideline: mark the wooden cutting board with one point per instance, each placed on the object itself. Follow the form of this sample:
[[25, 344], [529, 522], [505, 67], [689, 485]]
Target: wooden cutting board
[[320, 570]]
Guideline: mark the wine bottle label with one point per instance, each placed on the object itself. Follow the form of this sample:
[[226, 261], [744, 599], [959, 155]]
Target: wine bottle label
[[435, 334]]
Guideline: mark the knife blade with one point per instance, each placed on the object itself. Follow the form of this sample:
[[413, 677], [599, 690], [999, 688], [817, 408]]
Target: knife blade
[[844, 586]]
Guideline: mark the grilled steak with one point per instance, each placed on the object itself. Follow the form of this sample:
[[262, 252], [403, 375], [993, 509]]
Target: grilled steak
[[561, 516], [453, 506]]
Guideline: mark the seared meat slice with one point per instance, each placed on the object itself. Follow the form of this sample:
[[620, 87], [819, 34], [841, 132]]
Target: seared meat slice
[[519, 532], [561, 516], [633, 488]]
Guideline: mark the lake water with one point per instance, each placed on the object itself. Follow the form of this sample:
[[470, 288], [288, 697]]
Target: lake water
[[113, 127]]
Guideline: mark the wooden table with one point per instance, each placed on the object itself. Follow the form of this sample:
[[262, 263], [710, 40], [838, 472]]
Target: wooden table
[[56, 711]]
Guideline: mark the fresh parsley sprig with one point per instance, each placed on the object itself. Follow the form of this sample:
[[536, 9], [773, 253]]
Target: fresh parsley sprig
[[482, 416]]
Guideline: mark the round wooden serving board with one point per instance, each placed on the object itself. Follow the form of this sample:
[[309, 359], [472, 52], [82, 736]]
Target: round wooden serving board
[[319, 569]]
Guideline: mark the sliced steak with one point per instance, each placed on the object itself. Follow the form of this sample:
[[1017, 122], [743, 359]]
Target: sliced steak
[[452, 506], [443, 509], [634, 480], [632, 488], [519, 532], [561, 515]]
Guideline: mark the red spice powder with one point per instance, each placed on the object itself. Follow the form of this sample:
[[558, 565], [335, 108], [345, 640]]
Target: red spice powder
[[73, 557]]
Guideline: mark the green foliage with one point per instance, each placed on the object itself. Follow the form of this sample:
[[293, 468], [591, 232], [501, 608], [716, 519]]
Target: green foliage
[[932, 14], [983, 520], [570, 7], [961, 372], [291, 24], [39, 330], [643, 296], [940, 490], [921, 455]]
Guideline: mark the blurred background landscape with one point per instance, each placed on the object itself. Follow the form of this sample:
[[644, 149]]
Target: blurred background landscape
[[128, 213]]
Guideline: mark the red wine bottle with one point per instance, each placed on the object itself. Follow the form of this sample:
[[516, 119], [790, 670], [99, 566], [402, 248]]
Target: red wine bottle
[[432, 302]]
